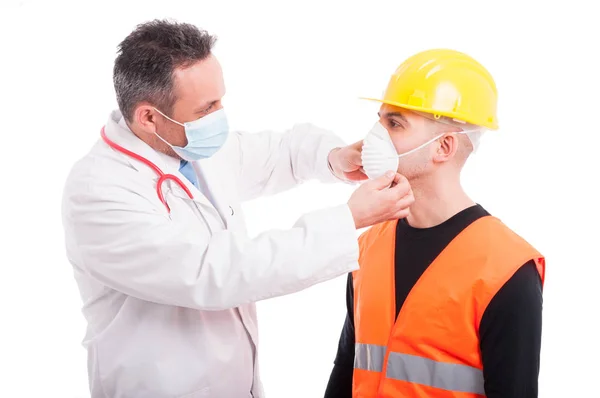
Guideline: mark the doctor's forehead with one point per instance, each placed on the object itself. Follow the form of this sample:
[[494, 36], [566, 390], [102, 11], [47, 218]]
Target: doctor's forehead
[[200, 83]]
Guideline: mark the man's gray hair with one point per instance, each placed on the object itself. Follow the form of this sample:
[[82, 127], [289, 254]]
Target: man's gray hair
[[147, 58]]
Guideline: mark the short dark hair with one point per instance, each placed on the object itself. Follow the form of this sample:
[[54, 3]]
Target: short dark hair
[[147, 58]]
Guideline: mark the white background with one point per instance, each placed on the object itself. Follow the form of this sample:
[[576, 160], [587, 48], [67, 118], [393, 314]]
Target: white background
[[292, 62]]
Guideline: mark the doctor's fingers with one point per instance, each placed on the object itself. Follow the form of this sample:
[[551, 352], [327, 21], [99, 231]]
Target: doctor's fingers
[[357, 145], [356, 158], [402, 209], [400, 187], [402, 202], [401, 214], [352, 155]]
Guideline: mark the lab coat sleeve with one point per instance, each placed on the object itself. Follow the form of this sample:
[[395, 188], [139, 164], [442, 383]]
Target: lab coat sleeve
[[271, 162], [123, 241]]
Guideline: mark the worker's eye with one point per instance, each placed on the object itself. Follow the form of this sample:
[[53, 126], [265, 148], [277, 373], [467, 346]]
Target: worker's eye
[[394, 124]]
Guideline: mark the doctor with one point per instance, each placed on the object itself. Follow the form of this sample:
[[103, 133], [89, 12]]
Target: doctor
[[156, 235]]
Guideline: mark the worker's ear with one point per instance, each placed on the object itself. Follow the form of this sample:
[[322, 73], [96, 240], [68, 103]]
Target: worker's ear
[[145, 116], [447, 147]]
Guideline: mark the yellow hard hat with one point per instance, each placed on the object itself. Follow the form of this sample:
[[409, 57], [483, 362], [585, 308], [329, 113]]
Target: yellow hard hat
[[447, 83]]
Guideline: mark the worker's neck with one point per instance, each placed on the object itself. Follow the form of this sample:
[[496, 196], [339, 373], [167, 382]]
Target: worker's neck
[[437, 200]]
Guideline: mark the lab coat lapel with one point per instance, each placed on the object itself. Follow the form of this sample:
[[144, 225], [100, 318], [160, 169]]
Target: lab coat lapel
[[211, 172], [199, 196]]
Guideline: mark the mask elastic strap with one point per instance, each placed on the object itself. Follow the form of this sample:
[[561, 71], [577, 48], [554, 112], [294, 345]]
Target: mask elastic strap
[[434, 139], [420, 146], [163, 140], [174, 121]]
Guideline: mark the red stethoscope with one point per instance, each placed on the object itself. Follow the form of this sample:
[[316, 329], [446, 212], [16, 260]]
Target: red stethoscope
[[162, 176]]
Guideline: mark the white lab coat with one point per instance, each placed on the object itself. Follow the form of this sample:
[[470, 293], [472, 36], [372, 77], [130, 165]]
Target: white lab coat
[[169, 299]]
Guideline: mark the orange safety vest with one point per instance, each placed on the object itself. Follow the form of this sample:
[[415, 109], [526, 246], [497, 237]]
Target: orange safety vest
[[432, 349]]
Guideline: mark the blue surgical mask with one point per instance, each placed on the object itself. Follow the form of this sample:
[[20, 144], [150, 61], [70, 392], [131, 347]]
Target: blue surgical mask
[[205, 136]]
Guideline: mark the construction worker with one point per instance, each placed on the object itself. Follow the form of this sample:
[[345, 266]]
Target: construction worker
[[448, 301]]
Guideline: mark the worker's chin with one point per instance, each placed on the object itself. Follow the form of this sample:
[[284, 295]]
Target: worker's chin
[[413, 173], [408, 172]]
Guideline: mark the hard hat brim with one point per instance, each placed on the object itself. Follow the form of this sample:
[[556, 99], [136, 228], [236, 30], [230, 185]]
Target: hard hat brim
[[491, 126]]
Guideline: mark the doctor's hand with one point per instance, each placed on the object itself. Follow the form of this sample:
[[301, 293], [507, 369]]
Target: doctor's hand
[[375, 201], [346, 162]]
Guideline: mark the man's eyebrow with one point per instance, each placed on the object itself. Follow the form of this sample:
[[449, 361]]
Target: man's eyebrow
[[394, 114], [205, 106]]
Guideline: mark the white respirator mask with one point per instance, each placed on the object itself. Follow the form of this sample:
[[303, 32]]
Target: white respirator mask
[[379, 154]]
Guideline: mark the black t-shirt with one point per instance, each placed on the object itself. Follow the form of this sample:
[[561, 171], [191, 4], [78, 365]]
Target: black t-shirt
[[510, 329]]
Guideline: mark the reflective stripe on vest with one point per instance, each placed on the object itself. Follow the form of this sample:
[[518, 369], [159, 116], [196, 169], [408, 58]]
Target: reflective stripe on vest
[[415, 369], [369, 357]]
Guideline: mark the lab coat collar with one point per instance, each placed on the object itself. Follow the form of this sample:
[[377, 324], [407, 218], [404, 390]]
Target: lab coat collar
[[118, 131]]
